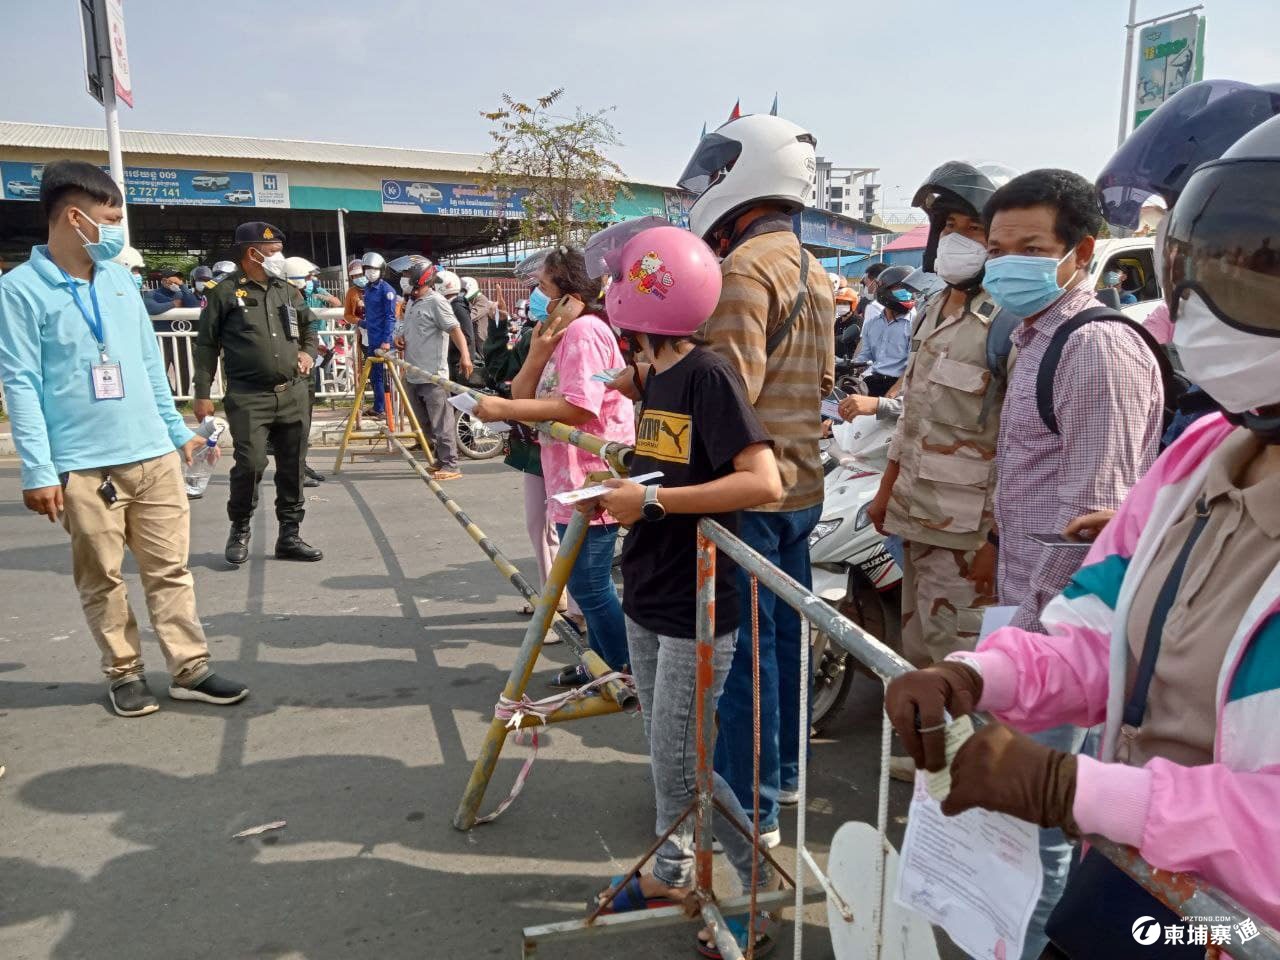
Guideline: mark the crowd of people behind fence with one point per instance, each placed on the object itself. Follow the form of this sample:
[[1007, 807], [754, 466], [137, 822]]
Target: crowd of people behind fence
[[1135, 687]]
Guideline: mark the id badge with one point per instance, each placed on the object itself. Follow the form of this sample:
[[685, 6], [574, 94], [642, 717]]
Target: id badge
[[108, 384]]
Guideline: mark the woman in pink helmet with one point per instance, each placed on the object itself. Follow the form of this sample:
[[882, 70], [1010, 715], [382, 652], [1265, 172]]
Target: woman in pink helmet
[[699, 430]]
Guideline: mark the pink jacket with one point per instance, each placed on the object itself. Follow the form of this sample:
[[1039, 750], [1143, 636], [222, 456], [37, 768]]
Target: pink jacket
[[1221, 820]]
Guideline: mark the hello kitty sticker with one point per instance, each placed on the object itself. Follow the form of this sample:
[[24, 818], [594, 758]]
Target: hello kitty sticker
[[650, 275]]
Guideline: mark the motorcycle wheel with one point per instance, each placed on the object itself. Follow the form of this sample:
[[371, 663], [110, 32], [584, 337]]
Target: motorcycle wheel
[[833, 670], [475, 440]]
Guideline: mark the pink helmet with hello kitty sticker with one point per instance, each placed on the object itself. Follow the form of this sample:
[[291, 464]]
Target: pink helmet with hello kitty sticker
[[666, 281]]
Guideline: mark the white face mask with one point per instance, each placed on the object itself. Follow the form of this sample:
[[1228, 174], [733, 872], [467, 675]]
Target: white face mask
[[372, 276], [959, 258], [273, 265], [1237, 369], [842, 309], [405, 285]]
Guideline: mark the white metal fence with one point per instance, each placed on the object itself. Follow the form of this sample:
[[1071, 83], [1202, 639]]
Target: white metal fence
[[177, 347]]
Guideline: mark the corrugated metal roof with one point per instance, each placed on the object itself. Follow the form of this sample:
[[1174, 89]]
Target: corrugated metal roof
[[914, 239], [49, 137]]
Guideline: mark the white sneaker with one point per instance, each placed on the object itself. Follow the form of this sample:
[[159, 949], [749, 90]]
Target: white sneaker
[[768, 839], [788, 798]]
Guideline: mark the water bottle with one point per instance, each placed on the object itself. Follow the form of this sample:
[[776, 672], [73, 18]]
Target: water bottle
[[197, 475]]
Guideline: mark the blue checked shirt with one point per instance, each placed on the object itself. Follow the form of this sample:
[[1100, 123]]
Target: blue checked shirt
[[46, 356], [886, 342]]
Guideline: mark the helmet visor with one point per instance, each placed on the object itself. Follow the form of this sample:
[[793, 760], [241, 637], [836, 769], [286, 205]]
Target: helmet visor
[[1223, 242], [714, 157], [603, 251], [1195, 126], [528, 269]]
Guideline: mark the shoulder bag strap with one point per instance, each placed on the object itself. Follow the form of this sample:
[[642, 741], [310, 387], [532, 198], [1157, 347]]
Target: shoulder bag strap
[[781, 333]]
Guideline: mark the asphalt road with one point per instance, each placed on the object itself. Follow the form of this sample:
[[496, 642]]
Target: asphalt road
[[373, 676]]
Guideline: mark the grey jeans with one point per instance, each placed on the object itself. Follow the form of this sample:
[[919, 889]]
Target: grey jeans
[[436, 417], [664, 669]]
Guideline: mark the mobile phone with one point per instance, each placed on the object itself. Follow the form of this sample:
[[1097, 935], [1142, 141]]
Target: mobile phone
[[1057, 540], [567, 309]]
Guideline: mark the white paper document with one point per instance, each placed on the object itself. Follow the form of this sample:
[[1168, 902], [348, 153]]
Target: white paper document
[[993, 618], [599, 490], [977, 875], [464, 402]]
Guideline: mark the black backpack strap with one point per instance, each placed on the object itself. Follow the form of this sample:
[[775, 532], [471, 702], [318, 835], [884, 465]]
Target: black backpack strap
[[781, 333], [1053, 355]]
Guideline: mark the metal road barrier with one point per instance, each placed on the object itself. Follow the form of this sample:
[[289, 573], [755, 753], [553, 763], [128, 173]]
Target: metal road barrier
[[1184, 893], [616, 455]]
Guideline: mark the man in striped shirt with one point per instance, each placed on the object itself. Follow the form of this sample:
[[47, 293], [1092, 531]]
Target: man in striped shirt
[[1108, 402], [775, 323]]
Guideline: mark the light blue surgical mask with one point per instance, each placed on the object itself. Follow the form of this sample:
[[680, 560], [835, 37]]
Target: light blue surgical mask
[[1110, 279], [903, 296], [1023, 286], [109, 243], [309, 287], [137, 280], [538, 303], [360, 282]]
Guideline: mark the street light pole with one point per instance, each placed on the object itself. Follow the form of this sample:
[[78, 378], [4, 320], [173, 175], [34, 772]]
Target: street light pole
[[342, 248], [1126, 87]]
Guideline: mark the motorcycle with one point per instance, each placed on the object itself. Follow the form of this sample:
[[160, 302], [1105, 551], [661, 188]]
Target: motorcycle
[[852, 570]]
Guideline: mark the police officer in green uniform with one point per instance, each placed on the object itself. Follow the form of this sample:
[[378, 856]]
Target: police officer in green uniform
[[266, 336]]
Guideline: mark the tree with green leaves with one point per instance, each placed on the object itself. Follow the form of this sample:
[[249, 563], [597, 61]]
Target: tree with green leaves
[[560, 163]]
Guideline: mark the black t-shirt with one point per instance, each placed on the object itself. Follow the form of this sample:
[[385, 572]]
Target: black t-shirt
[[695, 420]]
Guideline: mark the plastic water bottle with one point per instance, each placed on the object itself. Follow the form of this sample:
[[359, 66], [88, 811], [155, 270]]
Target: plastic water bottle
[[197, 475]]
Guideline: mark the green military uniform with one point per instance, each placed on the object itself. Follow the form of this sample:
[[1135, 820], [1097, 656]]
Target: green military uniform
[[259, 329]]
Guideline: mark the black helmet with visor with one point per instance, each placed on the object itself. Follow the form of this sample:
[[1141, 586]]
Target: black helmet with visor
[[1222, 239]]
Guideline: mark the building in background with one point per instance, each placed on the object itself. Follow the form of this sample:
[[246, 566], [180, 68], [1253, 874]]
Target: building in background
[[849, 191]]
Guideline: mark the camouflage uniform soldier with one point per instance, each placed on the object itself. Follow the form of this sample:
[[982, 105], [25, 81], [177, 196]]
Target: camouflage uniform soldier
[[937, 491]]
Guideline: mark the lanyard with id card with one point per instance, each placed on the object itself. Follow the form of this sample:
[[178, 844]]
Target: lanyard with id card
[[106, 378]]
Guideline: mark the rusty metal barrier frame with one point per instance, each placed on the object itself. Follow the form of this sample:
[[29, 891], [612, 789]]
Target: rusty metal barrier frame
[[1184, 893]]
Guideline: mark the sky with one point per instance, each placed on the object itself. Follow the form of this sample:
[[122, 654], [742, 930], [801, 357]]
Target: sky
[[901, 85]]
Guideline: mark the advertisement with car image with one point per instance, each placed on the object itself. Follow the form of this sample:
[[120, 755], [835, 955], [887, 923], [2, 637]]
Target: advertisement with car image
[[450, 199], [164, 186]]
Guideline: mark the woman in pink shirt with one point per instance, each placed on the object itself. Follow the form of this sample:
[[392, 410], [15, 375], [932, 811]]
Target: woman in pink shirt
[[556, 383]]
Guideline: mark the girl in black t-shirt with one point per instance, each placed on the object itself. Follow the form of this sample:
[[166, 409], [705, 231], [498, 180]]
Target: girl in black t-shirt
[[697, 428]]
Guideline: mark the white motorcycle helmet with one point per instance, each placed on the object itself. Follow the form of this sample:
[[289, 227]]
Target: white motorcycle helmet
[[131, 259], [470, 289], [373, 265], [223, 269], [754, 158], [297, 269], [449, 283]]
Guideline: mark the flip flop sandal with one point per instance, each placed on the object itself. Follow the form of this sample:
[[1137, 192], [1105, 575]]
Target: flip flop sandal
[[575, 676], [738, 927], [629, 898]]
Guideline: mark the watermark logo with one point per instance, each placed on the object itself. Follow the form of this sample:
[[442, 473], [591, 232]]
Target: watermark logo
[[1146, 930], [1194, 931]]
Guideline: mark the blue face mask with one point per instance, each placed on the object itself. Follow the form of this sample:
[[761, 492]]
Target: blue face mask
[[360, 282], [1023, 286], [903, 296], [109, 243], [1110, 279], [538, 302], [137, 280], [309, 287]]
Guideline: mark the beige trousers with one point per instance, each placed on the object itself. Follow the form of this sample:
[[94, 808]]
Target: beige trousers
[[941, 610], [150, 516]]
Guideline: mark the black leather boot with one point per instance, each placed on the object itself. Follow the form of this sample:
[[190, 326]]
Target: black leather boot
[[238, 543], [290, 546]]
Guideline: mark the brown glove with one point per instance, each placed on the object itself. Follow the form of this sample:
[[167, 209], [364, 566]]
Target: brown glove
[[915, 703], [1002, 770]]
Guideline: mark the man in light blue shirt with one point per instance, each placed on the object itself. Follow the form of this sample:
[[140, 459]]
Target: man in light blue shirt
[[886, 334], [95, 426]]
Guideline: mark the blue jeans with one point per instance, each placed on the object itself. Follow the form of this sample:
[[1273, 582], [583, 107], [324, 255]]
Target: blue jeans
[[782, 539], [591, 583], [378, 379], [1055, 850]]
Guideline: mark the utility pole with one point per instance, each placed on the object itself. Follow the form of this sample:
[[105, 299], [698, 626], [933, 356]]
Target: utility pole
[[1127, 86], [342, 247]]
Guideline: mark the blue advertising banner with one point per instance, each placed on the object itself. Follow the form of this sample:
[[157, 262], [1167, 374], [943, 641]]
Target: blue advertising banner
[[449, 199], [821, 229], [160, 185]]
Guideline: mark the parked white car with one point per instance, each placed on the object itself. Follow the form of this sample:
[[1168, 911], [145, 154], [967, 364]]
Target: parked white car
[[1136, 255], [23, 188], [239, 196]]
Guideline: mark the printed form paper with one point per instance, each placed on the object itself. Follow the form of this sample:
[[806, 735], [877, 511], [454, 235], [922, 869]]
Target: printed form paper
[[977, 876]]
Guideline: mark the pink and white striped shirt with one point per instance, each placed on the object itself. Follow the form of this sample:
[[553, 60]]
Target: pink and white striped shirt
[[1109, 401]]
